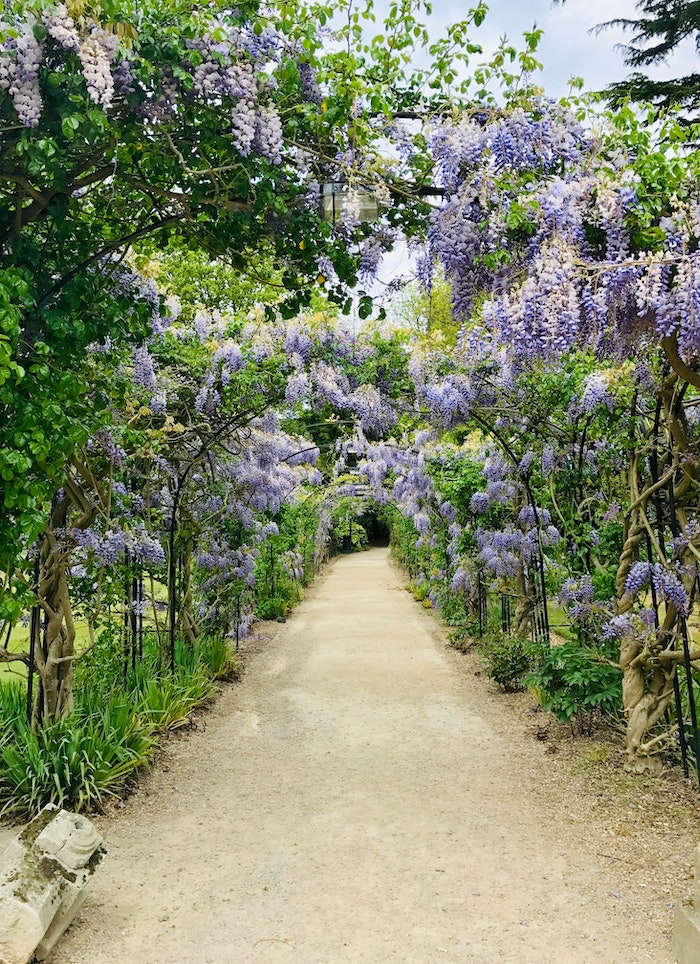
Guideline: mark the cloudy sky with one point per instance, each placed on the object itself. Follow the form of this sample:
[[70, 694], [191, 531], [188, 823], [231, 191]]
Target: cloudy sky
[[568, 48]]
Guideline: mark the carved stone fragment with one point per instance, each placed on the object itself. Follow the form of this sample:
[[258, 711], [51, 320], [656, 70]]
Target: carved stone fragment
[[43, 875]]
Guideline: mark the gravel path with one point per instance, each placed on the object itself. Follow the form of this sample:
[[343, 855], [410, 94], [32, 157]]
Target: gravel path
[[362, 797]]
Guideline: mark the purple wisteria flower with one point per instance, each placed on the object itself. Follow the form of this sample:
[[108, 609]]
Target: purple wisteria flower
[[480, 503], [548, 460], [612, 512]]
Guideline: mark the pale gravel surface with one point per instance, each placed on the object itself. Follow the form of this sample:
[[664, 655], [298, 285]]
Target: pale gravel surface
[[363, 796]]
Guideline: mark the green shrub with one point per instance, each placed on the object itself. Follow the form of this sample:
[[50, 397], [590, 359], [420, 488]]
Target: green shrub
[[102, 665], [352, 531], [419, 590], [453, 606], [462, 637], [271, 607], [507, 660], [574, 682]]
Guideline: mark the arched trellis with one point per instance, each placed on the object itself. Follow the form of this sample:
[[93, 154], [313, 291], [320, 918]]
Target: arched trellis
[[534, 573], [358, 495], [379, 494]]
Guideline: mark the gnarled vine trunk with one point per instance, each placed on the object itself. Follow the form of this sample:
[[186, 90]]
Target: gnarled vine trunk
[[661, 478], [186, 622], [522, 618], [54, 652]]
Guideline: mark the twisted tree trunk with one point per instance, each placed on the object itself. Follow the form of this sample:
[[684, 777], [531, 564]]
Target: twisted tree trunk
[[648, 660], [55, 653], [522, 618], [186, 622]]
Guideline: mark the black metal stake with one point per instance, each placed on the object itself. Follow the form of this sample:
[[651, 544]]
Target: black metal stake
[[480, 603], [125, 617], [238, 620], [33, 639], [683, 743], [505, 613], [142, 600], [691, 695]]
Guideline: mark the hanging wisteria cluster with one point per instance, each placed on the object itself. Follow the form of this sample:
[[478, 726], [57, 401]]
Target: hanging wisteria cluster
[[229, 62], [22, 54], [541, 222], [526, 531]]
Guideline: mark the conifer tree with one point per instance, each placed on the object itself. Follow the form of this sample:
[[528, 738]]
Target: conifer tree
[[661, 27]]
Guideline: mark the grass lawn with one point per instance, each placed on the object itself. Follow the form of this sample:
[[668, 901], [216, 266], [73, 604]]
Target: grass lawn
[[19, 637]]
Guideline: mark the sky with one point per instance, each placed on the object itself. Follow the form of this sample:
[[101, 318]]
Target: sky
[[568, 47]]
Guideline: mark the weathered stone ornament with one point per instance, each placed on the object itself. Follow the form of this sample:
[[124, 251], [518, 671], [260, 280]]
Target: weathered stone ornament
[[43, 875]]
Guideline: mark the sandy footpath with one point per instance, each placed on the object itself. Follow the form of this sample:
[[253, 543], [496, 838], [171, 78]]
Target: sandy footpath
[[360, 797]]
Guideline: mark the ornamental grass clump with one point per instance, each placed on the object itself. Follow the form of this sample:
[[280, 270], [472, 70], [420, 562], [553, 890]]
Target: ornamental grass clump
[[167, 703], [75, 763], [91, 754], [218, 659]]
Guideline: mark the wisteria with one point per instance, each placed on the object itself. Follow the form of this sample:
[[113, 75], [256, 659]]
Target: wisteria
[[589, 614], [612, 512], [309, 83], [595, 393], [229, 62], [480, 503], [667, 583], [556, 242], [268, 133], [96, 54], [558, 289], [500, 551], [61, 28], [20, 60], [144, 373], [229, 356], [109, 546], [21, 57], [134, 288], [639, 576], [547, 460]]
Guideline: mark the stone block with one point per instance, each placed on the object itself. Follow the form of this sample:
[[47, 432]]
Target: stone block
[[43, 875], [686, 925]]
